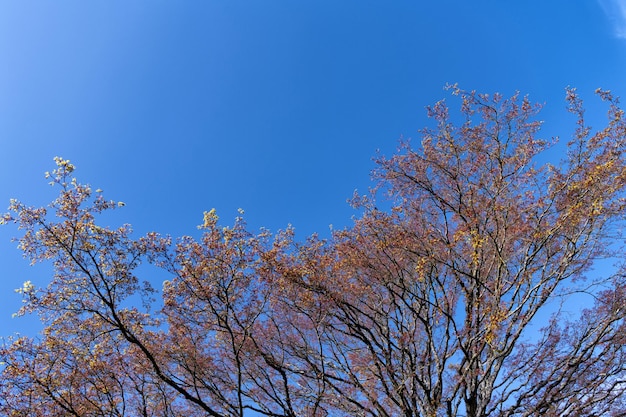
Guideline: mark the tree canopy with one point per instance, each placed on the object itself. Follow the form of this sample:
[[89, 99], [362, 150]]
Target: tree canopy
[[446, 297]]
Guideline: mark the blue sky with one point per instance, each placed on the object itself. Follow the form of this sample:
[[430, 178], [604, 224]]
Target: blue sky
[[276, 107]]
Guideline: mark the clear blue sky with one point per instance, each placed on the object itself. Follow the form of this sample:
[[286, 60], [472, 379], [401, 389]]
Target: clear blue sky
[[276, 107]]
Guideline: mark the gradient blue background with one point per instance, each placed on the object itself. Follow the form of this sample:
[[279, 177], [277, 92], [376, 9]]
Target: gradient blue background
[[277, 107]]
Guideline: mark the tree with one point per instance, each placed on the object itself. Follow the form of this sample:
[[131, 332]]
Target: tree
[[428, 308]]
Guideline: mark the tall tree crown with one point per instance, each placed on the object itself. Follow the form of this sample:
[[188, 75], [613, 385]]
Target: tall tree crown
[[426, 308]]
